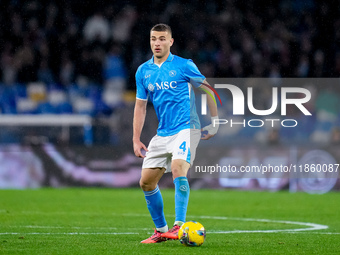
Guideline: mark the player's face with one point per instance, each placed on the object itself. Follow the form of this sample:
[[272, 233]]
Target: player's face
[[160, 43]]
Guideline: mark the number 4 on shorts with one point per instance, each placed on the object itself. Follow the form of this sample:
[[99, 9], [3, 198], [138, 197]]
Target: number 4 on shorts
[[183, 146]]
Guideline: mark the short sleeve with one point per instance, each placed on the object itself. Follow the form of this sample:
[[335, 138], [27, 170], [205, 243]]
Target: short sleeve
[[193, 75], [141, 93]]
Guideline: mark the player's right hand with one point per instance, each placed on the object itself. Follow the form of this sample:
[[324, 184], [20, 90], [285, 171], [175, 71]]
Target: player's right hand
[[138, 146]]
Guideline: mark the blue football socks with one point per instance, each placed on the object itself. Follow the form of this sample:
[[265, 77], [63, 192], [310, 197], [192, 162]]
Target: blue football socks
[[182, 191], [154, 203]]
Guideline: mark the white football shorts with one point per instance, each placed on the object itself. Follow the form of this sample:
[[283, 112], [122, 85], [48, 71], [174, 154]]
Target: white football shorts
[[163, 149]]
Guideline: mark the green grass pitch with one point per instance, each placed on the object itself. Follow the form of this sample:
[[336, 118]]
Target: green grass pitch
[[114, 221]]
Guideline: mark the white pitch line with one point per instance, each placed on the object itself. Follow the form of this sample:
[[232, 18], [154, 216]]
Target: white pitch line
[[71, 233], [132, 233], [73, 227], [317, 233], [264, 231], [310, 226]]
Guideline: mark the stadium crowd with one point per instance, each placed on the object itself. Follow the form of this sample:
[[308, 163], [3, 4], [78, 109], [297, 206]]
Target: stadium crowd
[[58, 41], [92, 50]]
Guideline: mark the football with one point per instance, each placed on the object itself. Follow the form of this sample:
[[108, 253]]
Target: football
[[191, 233]]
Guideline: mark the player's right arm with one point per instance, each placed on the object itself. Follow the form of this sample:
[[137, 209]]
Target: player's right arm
[[139, 113], [138, 123]]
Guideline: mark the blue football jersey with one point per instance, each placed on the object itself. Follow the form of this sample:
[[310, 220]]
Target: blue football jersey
[[169, 88]]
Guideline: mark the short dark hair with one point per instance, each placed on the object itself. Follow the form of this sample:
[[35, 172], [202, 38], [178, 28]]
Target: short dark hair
[[162, 28]]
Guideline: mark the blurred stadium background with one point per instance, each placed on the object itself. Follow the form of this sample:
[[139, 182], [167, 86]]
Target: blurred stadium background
[[67, 84]]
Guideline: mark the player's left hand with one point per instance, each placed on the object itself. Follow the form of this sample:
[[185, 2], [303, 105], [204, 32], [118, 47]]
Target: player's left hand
[[212, 129]]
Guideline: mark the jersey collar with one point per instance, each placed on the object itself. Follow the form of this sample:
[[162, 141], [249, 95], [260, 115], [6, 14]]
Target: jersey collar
[[169, 59]]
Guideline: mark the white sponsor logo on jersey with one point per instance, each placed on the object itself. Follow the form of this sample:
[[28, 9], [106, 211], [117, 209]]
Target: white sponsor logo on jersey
[[166, 85]]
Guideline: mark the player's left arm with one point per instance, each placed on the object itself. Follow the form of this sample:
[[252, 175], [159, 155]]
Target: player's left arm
[[213, 127], [195, 78]]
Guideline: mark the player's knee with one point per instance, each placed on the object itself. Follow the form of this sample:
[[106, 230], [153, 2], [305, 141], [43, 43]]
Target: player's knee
[[179, 168], [142, 184], [178, 172], [146, 185]]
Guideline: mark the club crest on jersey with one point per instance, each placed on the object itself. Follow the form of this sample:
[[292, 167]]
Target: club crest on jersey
[[151, 87], [172, 73]]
